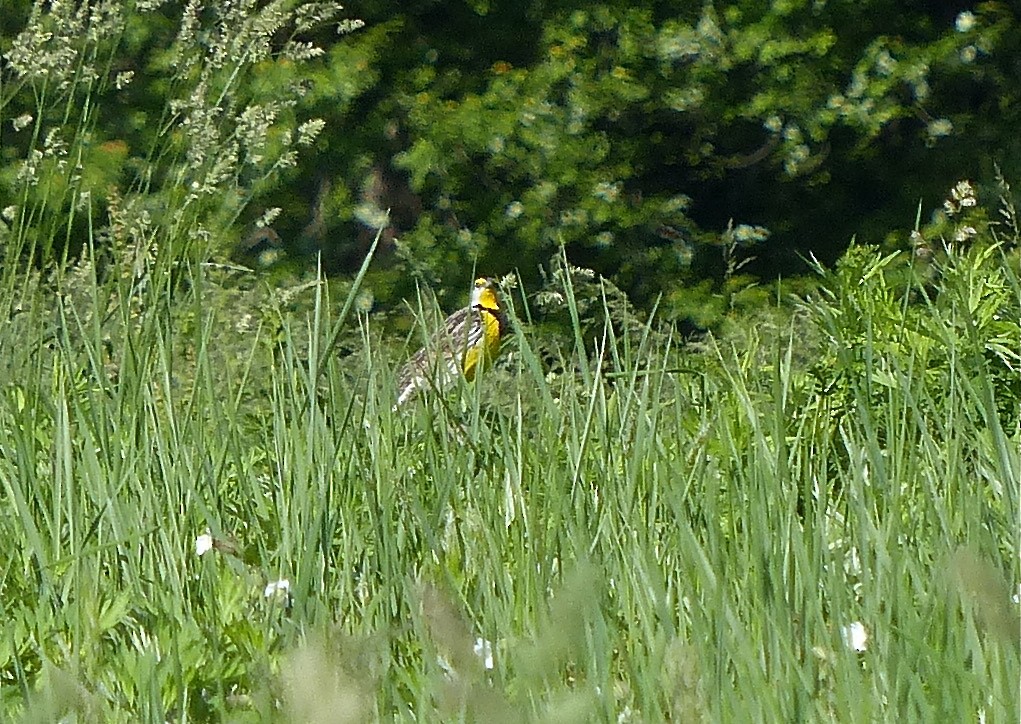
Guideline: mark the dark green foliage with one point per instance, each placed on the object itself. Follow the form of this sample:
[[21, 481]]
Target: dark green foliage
[[664, 147], [635, 134]]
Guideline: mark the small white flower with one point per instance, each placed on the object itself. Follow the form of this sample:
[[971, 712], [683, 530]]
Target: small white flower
[[965, 21], [964, 233], [855, 636], [920, 88], [514, 209], [268, 217], [349, 25], [281, 587], [309, 131], [203, 544], [962, 191], [21, 121], [484, 650], [747, 234], [269, 257], [940, 127]]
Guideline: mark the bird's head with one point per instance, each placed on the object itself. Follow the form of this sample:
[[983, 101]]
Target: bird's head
[[484, 295]]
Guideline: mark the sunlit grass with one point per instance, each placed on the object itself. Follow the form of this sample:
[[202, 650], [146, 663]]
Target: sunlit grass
[[653, 532]]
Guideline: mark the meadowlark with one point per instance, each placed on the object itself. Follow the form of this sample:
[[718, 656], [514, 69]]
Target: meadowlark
[[468, 342]]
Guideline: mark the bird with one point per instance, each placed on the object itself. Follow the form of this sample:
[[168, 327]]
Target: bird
[[468, 342]]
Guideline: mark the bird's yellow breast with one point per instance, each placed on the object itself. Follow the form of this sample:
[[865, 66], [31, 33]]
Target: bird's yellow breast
[[479, 356]]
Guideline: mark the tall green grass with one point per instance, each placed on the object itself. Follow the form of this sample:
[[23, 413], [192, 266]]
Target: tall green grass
[[655, 532]]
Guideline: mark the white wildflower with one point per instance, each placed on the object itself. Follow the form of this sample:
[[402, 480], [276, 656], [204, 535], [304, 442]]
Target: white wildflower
[[855, 636], [965, 21], [964, 233], [269, 257], [920, 89], [268, 217], [28, 170], [309, 131], [747, 234], [54, 144], [484, 650], [349, 26], [964, 192], [299, 51], [203, 544], [308, 17], [288, 159], [677, 43], [940, 127], [277, 588]]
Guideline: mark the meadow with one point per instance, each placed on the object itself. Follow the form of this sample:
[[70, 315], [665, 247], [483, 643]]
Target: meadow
[[211, 511], [212, 514]]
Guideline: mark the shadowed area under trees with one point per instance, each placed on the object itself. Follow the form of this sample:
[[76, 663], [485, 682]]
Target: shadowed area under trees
[[636, 133], [686, 153]]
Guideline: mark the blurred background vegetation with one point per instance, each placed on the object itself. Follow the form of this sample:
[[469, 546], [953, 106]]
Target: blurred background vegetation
[[693, 154]]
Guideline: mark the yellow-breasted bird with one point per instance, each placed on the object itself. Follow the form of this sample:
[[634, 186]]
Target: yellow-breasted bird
[[468, 342]]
